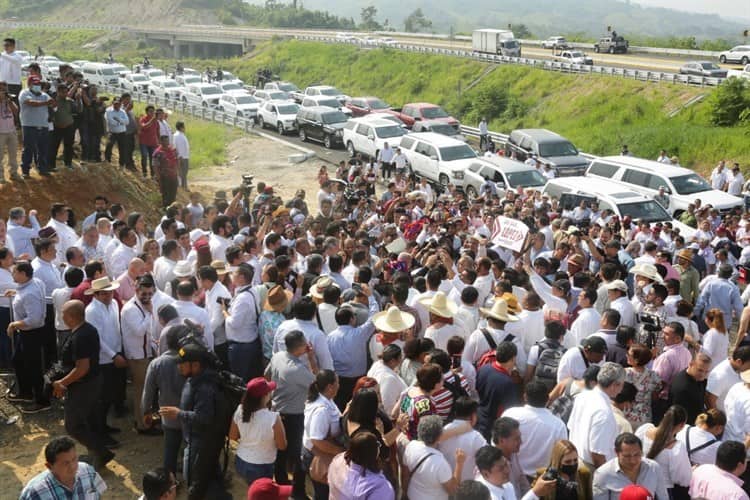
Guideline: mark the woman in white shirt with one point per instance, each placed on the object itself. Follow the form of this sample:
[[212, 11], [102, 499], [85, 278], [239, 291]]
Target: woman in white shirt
[[660, 444], [702, 441], [322, 427], [258, 430], [716, 340]]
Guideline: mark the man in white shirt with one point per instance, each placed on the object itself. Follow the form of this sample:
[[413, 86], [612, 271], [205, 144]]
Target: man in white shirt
[[103, 314], [588, 320], [182, 145], [138, 324], [164, 264], [241, 323], [736, 181], [540, 428], [221, 237], [465, 410], [726, 375], [663, 157], [10, 66], [385, 158], [608, 327], [66, 235], [576, 359], [21, 235], [617, 291], [216, 295], [187, 310], [719, 176], [123, 253], [493, 469], [592, 422], [400, 161]]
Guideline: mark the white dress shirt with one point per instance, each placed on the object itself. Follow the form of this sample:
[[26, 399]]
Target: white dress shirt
[[242, 323], [627, 312], [314, 337], [572, 364], [585, 324], [6, 283], [722, 378], [592, 425], [10, 68], [390, 383], [138, 326], [186, 309], [533, 327], [182, 145], [49, 275], [106, 320], [214, 310], [21, 236], [66, 237], [540, 430], [737, 408], [163, 271], [120, 260], [59, 298], [484, 285], [470, 442], [219, 245]]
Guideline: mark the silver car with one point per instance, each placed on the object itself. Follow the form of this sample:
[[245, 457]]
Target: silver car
[[703, 68]]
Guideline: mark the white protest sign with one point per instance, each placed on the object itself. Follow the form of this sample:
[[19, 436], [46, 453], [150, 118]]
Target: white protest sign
[[509, 233]]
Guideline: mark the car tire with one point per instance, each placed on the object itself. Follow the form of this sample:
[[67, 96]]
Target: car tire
[[471, 193], [261, 122], [611, 50], [744, 61], [722, 59], [327, 141], [302, 135], [596, 49], [350, 149], [239, 114], [280, 128]]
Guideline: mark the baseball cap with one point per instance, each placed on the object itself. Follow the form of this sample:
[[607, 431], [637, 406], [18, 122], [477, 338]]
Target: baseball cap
[[635, 492], [259, 387], [192, 352], [595, 344], [617, 285], [265, 489]]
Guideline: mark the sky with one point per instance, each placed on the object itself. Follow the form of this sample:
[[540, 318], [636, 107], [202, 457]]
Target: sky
[[730, 9]]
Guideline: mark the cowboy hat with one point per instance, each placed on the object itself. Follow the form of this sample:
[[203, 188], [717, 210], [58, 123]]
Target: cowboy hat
[[617, 285], [183, 269], [394, 320], [102, 285], [499, 311], [512, 301], [277, 299], [323, 282], [220, 267], [439, 305], [647, 271], [685, 254]]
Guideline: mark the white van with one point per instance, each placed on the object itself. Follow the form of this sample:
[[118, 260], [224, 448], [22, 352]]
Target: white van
[[622, 201], [369, 136], [101, 74], [437, 157], [646, 176]]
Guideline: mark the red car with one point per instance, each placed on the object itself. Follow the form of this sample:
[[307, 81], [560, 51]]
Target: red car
[[418, 111], [361, 106]]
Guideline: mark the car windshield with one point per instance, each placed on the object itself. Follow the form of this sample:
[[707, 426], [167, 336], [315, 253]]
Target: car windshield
[[332, 91], [334, 117], [226, 75], [231, 86], [434, 112], [390, 131], [331, 103], [288, 87], [649, 211], [246, 99], [576, 54], [526, 178], [278, 95], [190, 80], [210, 90], [377, 104], [168, 84], [689, 184], [139, 78], [462, 152], [710, 65], [444, 129], [511, 44], [106, 71], [562, 148], [155, 73], [288, 109]]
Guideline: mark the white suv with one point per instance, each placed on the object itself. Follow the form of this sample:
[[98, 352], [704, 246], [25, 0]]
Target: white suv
[[135, 82], [243, 105], [438, 158], [321, 100], [165, 88], [202, 94], [368, 136], [279, 114], [739, 54]]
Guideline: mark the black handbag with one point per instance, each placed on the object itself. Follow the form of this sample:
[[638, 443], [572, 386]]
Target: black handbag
[[56, 372]]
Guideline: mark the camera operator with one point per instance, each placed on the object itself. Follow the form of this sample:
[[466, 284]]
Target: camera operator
[[75, 94], [8, 134], [93, 125], [64, 128]]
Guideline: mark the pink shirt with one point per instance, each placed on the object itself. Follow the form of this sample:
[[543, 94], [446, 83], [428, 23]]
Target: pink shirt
[[709, 481], [127, 287], [669, 363]]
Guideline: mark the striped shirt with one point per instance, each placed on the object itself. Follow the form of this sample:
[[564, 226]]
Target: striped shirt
[[45, 486]]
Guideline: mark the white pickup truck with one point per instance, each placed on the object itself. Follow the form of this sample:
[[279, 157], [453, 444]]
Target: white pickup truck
[[739, 73]]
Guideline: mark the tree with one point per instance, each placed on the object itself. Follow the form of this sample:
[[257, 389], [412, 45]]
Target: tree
[[369, 22], [728, 102], [416, 21], [522, 32]]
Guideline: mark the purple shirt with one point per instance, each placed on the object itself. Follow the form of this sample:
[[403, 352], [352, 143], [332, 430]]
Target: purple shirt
[[348, 483], [669, 363], [709, 481]]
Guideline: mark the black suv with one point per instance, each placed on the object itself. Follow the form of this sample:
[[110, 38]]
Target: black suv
[[612, 44], [322, 124]]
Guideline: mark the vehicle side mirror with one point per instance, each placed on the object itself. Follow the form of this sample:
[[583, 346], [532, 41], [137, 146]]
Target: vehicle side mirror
[[371, 137], [433, 157]]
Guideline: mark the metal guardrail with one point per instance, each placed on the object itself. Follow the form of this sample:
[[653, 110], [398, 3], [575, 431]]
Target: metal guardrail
[[633, 74]]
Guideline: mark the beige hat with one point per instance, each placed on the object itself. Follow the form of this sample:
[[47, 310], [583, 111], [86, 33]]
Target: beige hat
[[439, 305], [617, 285], [277, 299], [323, 282], [394, 320], [220, 267], [499, 311], [647, 271], [102, 285], [183, 269]]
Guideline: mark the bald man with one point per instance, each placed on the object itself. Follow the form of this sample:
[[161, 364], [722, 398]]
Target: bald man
[[136, 268], [83, 383]]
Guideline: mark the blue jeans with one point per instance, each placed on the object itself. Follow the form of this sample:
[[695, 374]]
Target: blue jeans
[[245, 359], [251, 472], [35, 145], [172, 443]]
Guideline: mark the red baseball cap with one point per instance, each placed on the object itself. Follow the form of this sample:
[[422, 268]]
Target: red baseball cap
[[259, 387], [201, 246], [265, 489], [635, 492]]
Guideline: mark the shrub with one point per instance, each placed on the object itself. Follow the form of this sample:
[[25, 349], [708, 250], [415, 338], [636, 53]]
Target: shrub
[[728, 102]]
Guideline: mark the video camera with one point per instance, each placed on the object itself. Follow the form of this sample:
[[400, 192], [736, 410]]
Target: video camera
[[570, 488], [247, 185], [651, 325]]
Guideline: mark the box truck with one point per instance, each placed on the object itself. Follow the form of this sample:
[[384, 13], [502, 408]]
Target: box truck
[[501, 42]]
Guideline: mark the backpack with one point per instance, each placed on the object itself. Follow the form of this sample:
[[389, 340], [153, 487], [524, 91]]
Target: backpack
[[457, 391], [489, 356], [550, 353], [562, 407]]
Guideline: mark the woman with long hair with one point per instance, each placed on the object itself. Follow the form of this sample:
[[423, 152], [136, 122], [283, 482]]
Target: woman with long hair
[[661, 444], [356, 473], [645, 380], [702, 441], [258, 431], [576, 477], [322, 428], [137, 222], [716, 339]]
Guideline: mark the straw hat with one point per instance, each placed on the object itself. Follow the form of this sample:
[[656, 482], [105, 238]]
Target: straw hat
[[499, 311], [512, 302], [394, 320], [183, 269], [617, 285], [220, 267], [647, 271], [685, 254], [102, 285], [439, 305], [317, 289], [277, 299]]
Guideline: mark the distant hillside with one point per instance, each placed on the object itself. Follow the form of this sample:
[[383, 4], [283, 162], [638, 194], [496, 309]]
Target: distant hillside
[[543, 17]]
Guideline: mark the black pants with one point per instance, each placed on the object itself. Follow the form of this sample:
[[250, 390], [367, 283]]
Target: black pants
[[67, 137], [113, 139], [126, 157], [168, 187], [81, 415], [346, 388], [28, 363], [113, 387], [387, 170], [50, 338], [289, 459], [203, 469], [5, 342]]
